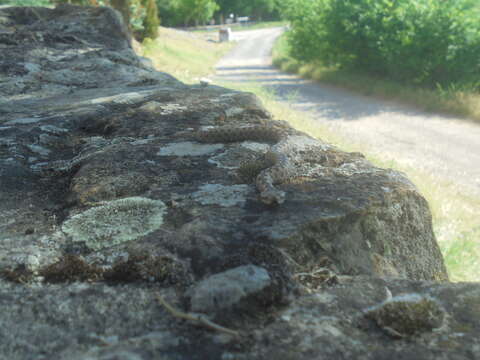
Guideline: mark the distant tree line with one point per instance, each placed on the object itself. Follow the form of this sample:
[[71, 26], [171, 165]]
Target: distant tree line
[[196, 12]]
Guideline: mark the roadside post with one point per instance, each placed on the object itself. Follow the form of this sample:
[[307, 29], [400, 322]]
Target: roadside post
[[225, 34]]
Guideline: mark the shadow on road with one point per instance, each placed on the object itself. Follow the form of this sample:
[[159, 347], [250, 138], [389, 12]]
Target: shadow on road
[[328, 102]]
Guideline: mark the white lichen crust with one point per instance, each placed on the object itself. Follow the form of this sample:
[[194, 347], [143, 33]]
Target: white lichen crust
[[187, 148], [115, 222], [217, 194]]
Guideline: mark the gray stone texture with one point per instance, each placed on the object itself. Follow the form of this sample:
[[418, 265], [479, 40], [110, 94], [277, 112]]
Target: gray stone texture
[[85, 123], [227, 289]]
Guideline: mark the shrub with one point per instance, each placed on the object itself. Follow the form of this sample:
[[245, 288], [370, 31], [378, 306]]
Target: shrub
[[151, 21], [427, 42]]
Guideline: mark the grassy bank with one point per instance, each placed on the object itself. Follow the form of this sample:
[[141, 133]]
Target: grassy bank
[[455, 213], [459, 102], [185, 55]]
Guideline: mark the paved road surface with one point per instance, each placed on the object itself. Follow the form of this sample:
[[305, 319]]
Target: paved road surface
[[442, 145]]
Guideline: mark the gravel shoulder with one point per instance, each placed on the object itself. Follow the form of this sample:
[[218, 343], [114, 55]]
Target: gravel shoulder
[[444, 146]]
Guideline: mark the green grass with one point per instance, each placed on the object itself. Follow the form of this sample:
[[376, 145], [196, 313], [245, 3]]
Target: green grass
[[463, 102], [186, 56], [455, 212]]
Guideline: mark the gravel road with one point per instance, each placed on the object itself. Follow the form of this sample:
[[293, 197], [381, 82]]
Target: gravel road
[[445, 146]]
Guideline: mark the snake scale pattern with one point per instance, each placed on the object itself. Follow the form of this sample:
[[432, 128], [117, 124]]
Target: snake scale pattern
[[281, 153], [282, 169]]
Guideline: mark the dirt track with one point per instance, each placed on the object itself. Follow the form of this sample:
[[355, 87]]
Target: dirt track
[[445, 146]]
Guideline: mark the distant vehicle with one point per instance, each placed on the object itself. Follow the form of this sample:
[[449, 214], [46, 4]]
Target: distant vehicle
[[243, 20]]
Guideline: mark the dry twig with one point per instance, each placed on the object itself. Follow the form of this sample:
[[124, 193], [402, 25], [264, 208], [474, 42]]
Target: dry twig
[[199, 318]]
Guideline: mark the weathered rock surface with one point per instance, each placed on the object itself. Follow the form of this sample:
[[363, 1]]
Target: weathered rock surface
[[108, 199]]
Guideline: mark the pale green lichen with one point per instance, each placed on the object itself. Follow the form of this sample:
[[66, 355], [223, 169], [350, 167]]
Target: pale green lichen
[[115, 222], [216, 194], [187, 148]]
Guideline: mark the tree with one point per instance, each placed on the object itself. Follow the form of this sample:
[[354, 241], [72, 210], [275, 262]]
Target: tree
[[168, 15], [186, 12], [151, 21], [196, 11], [227, 7], [259, 9], [256, 9]]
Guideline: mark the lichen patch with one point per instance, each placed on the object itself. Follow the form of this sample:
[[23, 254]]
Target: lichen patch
[[255, 146], [187, 148], [116, 222], [231, 112], [216, 194], [302, 143]]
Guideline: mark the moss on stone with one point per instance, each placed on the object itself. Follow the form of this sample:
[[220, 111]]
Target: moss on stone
[[408, 315], [145, 267], [19, 274], [70, 268]]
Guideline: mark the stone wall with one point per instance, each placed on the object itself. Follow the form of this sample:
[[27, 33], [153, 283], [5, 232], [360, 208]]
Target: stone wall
[[123, 190]]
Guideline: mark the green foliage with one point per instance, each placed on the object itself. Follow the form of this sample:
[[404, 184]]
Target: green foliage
[[168, 16], [186, 12], [259, 9], [151, 21], [26, 2], [255, 9], [196, 11], [227, 7], [193, 12], [427, 42], [137, 14]]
